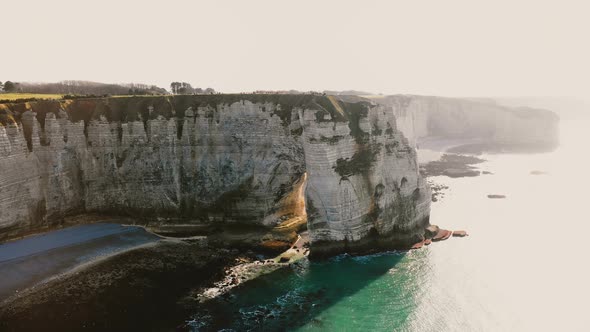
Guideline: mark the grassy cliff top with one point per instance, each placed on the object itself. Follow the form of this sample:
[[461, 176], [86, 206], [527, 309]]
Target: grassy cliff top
[[12, 97], [133, 108]]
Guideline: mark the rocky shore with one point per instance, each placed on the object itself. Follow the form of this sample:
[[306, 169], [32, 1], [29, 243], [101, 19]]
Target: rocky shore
[[436, 234], [155, 286], [136, 290], [248, 270], [452, 165]]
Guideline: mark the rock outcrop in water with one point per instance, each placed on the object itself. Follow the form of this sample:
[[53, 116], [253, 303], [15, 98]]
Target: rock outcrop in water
[[220, 159]]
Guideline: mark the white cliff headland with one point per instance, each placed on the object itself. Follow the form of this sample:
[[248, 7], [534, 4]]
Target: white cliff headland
[[347, 167]]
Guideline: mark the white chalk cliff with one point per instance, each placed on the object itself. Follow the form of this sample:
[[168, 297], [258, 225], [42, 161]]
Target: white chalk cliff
[[219, 159]]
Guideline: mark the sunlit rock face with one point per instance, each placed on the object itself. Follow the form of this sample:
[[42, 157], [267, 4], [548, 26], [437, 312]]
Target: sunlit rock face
[[364, 191], [42, 185], [214, 159], [481, 121]]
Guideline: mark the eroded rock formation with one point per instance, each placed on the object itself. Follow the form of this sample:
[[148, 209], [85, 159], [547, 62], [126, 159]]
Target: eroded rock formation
[[214, 159]]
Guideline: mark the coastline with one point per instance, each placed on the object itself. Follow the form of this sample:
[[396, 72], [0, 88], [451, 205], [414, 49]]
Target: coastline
[[158, 285], [146, 286], [136, 289], [37, 259], [165, 281]]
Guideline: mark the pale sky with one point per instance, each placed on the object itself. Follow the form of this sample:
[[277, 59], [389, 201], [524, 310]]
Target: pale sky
[[450, 47]]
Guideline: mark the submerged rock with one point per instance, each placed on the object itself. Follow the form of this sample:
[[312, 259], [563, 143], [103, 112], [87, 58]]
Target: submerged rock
[[431, 231], [453, 165], [538, 172], [460, 173], [438, 190], [418, 245], [460, 233], [442, 235], [434, 233]]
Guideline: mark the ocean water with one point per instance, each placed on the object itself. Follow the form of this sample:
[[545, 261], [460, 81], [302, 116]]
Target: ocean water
[[524, 267]]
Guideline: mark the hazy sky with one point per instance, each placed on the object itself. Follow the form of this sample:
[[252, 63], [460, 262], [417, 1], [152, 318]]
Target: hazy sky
[[450, 47]]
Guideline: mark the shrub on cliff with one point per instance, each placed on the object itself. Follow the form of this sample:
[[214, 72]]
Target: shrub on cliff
[[10, 86]]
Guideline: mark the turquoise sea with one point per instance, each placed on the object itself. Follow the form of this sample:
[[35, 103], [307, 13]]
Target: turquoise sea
[[524, 266]]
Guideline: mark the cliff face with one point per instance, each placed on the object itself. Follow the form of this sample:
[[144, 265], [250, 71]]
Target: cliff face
[[214, 159], [421, 117], [363, 189]]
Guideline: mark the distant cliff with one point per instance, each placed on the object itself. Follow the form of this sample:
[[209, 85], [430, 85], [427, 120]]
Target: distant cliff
[[215, 159], [492, 125]]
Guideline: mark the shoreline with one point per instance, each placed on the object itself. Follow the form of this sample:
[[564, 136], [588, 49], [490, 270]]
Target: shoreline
[[157, 277], [137, 289], [35, 260]]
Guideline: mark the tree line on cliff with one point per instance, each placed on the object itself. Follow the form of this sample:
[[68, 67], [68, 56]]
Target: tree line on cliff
[[184, 88], [83, 88], [73, 87]]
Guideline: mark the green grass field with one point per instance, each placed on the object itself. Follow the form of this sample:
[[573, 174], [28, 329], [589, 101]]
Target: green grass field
[[15, 96]]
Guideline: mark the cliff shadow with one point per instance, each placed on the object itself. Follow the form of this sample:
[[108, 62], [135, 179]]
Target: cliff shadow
[[294, 297]]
